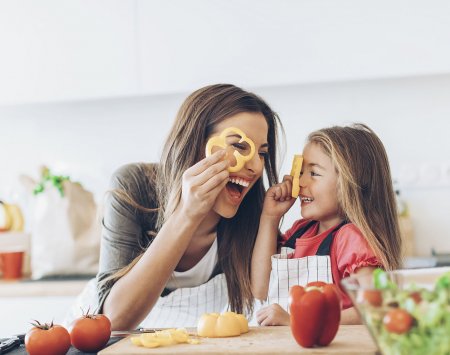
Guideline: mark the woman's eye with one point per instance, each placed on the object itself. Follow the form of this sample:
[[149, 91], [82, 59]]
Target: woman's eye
[[239, 146], [263, 154], [314, 174]]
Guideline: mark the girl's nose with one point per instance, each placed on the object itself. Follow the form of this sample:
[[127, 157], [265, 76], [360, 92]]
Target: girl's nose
[[302, 180]]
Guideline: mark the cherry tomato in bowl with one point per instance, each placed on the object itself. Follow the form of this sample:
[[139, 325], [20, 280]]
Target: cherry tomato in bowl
[[397, 321]]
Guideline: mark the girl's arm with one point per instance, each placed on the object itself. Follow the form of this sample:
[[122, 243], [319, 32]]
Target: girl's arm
[[277, 202], [265, 247], [133, 296], [350, 316]]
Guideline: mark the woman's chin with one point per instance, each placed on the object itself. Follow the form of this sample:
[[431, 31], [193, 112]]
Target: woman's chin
[[225, 210]]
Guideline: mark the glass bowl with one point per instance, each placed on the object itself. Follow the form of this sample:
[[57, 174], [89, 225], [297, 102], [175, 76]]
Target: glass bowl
[[406, 311]]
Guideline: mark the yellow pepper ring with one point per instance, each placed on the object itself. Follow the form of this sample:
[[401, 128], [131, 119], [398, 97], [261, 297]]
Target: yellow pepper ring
[[220, 141], [295, 173]]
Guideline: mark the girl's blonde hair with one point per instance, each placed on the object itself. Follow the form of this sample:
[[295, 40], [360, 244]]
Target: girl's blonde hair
[[365, 189], [185, 146]]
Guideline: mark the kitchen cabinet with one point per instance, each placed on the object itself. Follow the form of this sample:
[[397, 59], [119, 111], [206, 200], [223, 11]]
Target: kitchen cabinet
[[66, 50]]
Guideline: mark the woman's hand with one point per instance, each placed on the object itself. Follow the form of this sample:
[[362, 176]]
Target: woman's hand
[[202, 183], [273, 314], [278, 199]]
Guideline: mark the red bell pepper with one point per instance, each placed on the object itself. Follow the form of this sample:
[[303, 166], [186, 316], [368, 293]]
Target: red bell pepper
[[315, 313]]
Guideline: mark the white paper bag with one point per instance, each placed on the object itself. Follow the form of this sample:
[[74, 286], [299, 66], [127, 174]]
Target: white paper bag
[[65, 232]]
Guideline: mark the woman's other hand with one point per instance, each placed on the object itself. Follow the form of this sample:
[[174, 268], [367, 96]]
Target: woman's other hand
[[273, 314], [202, 184]]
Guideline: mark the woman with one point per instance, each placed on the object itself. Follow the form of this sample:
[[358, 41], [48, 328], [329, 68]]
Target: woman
[[178, 236]]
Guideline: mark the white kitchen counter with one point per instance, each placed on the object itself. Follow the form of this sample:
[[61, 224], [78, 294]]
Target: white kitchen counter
[[27, 288], [22, 302]]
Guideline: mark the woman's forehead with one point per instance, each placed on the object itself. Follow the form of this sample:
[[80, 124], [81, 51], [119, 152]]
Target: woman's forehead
[[252, 124]]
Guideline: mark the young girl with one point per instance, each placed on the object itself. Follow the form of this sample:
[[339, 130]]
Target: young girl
[[349, 220]]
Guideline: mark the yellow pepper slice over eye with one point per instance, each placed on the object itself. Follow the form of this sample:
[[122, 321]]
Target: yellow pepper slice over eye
[[220, 141], [295, 173]]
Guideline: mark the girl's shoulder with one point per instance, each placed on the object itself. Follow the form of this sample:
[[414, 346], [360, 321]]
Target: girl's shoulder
[[352, 249], [349, 236], [298, 224]]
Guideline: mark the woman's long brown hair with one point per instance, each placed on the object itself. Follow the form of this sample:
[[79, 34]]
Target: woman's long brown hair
[[365, 190], [185, 146]]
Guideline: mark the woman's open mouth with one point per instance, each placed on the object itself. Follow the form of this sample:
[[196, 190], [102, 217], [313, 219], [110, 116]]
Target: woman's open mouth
[[236, 188]]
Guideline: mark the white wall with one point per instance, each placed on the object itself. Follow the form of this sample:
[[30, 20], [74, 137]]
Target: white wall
[[89, 139]]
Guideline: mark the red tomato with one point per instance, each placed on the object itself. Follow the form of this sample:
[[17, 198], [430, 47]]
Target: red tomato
[[91, 332], [373, 297], [47, 339], [397, 321]]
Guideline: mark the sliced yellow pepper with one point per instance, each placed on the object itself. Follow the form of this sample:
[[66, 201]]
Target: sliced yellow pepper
[[295, 173], [163, 338], [220, 141]]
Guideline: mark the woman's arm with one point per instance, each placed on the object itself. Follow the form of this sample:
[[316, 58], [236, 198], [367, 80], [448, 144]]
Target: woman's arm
[[133, 296]]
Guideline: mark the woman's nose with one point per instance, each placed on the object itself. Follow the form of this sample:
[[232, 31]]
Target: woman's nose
[[255, 164]]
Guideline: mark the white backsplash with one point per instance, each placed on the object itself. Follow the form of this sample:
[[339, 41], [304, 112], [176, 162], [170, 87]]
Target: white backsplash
[[89, 140]]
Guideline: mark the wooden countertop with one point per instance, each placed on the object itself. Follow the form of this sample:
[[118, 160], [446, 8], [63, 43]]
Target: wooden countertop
[[27, 288], [351, 339]]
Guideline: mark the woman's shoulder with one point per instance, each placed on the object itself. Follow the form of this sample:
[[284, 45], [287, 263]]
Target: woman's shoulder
[[137, 180], [131, 173]]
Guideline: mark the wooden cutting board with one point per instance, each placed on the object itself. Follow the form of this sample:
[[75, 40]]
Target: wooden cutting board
[[351, 339]]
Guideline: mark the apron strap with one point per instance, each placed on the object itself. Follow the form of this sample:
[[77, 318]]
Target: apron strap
[[325, 246], [297, 234]]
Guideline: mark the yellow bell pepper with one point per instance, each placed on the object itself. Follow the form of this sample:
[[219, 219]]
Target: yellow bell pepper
[[220, 141], [228, 324], [295, 173]]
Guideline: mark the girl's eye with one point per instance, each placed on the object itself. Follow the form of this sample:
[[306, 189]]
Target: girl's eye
[[314, 174]]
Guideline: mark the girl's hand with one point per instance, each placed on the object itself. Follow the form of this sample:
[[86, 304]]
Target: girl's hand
[[202, 183], [278, 199], [273, 314]]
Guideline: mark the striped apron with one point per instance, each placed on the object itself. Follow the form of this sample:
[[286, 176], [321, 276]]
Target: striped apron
[[288, 271], [183, 307]]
